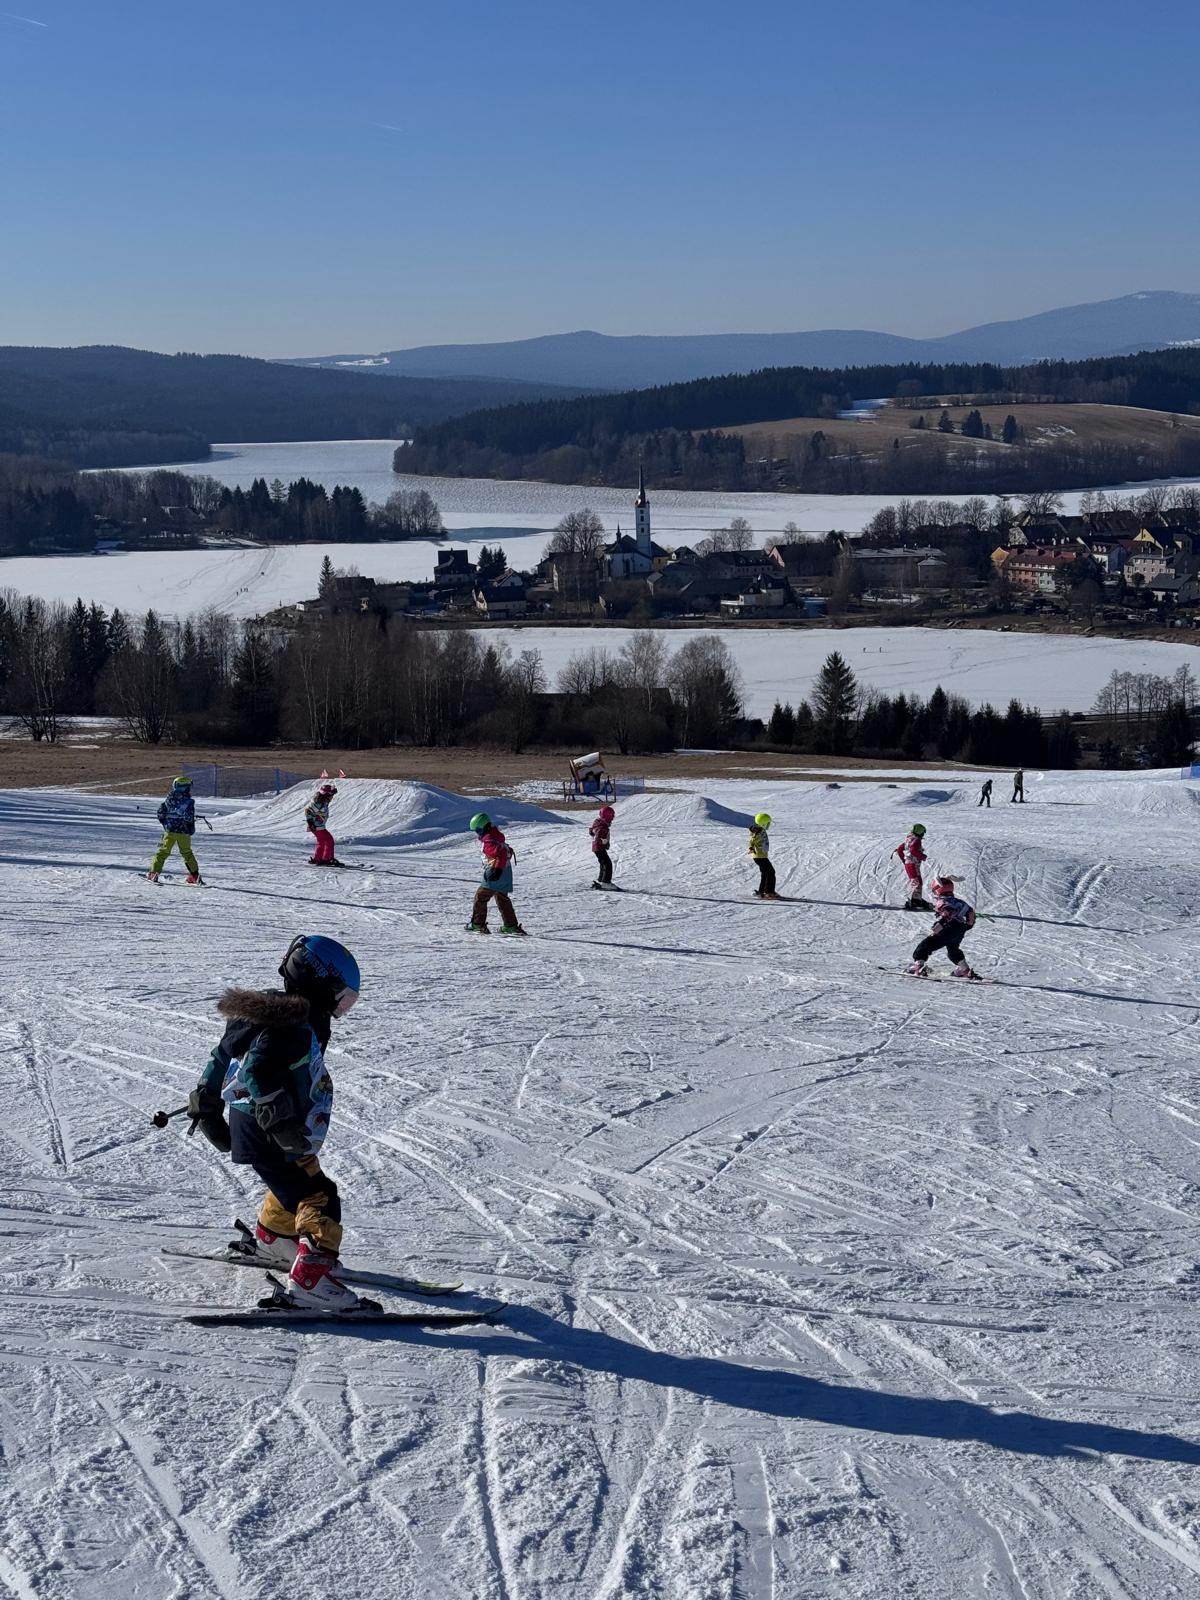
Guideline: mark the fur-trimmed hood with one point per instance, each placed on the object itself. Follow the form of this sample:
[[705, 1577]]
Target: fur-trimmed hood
[[264, 1008]]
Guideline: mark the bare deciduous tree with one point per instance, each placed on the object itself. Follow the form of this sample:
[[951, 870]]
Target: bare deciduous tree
[[39, 670], [579, 533], [706, 686]]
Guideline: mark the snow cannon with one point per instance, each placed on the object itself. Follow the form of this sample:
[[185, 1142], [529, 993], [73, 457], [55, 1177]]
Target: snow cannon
[[589, 775], [584, 768]]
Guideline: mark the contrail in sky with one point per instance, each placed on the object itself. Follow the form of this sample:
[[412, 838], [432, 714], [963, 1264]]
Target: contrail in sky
[[32, 21]]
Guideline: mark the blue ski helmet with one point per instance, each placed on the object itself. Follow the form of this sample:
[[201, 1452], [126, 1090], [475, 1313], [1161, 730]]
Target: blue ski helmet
[[322, 971]]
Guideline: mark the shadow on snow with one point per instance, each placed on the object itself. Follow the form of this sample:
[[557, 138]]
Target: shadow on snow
[[775, 1393]]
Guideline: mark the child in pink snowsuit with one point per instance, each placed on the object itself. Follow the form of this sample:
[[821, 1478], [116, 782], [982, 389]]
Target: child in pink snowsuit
[[599, 832], [316, 820], [912, 854]]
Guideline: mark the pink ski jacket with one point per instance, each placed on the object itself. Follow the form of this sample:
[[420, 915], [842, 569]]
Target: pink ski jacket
[[949, 908], [911, 850]]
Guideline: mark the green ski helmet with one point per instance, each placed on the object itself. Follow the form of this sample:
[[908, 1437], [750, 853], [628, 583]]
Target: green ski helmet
[[918, 828], [763, 819], [479, 822]]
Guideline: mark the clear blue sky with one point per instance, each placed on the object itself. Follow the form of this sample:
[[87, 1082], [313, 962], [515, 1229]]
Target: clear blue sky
[[285, 177]]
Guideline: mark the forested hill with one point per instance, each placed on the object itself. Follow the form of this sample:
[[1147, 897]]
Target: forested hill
[[105, 405], [676, 429]]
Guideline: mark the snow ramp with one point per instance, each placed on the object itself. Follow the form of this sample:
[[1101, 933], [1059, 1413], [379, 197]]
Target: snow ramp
[[384, 811], [676, 810]]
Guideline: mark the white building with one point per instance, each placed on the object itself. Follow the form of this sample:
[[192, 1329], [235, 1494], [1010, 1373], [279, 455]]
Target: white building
[[634, 557]]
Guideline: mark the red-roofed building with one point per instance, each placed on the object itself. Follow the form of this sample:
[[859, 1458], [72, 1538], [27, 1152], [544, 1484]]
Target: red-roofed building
[[1045, 570]]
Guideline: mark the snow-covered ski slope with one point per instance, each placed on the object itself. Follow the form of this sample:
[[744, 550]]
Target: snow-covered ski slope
[[822, 1281]]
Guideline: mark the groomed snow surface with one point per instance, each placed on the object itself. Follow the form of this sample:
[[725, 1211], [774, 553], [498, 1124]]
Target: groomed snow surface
[[820, 1280]]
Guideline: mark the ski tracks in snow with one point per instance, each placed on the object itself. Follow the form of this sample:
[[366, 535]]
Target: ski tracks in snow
[[761, 1215]]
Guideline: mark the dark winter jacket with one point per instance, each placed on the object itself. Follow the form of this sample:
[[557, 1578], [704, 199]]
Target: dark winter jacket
[[269, 1069], [599, 832], [177, 814]]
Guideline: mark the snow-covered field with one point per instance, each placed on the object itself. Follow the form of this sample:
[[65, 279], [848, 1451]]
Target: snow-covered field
[[821, 1281], [1055, 671]]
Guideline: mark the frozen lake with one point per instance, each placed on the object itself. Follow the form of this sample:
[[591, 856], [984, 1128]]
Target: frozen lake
[[486, 507]]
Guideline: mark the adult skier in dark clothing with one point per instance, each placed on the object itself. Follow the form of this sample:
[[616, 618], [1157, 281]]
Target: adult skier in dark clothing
[[985, 795], [1018, 786]]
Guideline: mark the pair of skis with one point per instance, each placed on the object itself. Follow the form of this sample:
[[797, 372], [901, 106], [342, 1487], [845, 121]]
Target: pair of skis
[[934, 977], [276, 1310]]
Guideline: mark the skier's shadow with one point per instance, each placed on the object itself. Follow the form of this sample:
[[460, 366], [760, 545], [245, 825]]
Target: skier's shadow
[[71, 861], [777, 1393], [651, 949], [1099, 994]]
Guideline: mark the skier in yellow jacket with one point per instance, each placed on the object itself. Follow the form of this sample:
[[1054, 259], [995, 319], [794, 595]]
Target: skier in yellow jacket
[[759, 850]]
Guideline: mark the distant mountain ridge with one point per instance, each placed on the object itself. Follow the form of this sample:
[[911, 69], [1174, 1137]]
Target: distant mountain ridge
[[1150, 320], [106, 405]]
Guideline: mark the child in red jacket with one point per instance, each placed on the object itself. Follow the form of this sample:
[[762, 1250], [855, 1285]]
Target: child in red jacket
[[599, 832], [912, 853]]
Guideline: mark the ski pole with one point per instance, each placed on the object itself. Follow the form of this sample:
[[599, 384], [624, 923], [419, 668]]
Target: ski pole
[[161, 1118], [205, 821]]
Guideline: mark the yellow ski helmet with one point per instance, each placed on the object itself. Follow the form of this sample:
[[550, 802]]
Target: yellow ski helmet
[[763, 820]]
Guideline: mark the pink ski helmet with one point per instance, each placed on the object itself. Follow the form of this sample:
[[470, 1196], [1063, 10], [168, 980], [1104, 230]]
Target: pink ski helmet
[[606, 813], [943, 885], [327, 788]]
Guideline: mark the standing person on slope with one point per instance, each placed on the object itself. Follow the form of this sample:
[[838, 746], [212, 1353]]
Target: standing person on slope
[[954, 919], [985, 794], [316, 820], [177, 818], [759, 851], [497, 877], [1018, 786], [912, 853], [269, 1069], [599, 832]]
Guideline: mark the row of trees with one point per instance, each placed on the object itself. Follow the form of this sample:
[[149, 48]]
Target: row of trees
[[351, 681], [1146, 718], [1143, 712], [43, 505], [841, 718], [347, 680], [973, 426], [304, 510]]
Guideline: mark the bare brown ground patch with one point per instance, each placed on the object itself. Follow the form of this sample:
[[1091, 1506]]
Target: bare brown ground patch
[[121, 766], [1064, 424]]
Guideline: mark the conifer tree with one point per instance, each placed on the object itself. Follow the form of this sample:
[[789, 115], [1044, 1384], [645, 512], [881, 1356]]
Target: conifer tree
[[835, 706]]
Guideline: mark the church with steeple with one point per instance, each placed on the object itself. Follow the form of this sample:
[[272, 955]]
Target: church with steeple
[[634, 556]]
